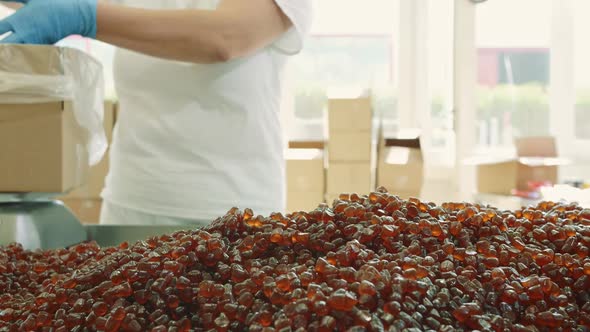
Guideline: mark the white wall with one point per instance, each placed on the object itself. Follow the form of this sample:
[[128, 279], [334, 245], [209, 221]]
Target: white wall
[[513, 23], [353, 16]]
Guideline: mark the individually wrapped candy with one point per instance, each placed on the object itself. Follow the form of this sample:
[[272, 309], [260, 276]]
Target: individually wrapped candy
[[31, 74]]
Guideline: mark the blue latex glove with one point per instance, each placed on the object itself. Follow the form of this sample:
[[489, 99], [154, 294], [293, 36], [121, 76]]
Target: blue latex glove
[[49, 21]]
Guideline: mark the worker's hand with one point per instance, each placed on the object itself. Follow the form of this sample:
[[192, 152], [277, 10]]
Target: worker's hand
[[49, 21]]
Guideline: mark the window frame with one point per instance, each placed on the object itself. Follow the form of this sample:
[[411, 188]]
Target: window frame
[[562, 91], [390, 44], [563, 112]]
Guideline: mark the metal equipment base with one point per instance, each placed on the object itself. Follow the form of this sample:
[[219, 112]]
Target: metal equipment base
[[37, 221]]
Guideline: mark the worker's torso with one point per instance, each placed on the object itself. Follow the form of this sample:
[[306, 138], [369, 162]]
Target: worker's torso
[[194, 140]]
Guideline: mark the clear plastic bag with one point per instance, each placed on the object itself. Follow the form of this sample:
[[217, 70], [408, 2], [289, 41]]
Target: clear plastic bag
[[39, 74]]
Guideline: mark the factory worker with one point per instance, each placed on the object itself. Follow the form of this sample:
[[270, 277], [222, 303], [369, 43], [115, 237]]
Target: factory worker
[[199, 84]]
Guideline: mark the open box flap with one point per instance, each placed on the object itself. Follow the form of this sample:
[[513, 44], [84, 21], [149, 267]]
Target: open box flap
[[542, 161], [527, 161], [487, 160], [303, 154]]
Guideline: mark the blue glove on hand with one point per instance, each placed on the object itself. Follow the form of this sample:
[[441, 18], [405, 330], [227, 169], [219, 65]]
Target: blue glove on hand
[[49, 21]]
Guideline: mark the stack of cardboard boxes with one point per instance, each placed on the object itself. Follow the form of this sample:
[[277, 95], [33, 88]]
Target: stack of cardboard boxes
[[85, 201], [351, 146], [305, 179]]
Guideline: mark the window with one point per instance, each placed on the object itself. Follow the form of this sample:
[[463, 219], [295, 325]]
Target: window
[[344, 49], [582, 69], [513, 70], [439, 138], [329, 61]]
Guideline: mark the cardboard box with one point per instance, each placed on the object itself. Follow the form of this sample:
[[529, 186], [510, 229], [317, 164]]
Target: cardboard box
[[529, 171], [304, 201], [502, 177], [351, 146], [536, 147], [401, 163], [401, 170], [350, 177], [350, 127], [305, 170], [43, 148], [305, 179], [496, 177], [536, 161], [350, 114], [86, 210], [92, 188]]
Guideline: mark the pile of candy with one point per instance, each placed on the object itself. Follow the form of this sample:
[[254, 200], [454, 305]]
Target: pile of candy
[[369, 263]]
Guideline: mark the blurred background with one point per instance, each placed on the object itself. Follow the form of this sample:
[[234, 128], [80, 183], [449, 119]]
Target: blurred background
[[471, 77]]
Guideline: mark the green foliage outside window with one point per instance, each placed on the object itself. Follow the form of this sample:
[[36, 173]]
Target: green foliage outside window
[[524, 107]]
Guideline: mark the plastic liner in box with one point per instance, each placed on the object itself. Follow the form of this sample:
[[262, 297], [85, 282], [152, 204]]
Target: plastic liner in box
[[32, 74]]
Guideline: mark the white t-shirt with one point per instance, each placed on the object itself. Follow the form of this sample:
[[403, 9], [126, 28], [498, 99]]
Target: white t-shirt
[[191, 140]]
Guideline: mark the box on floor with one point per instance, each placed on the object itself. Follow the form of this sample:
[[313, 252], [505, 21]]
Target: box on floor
[[305, 179], [350, 177], [401, 164], [351, 146], [536, 161], [305, 170]]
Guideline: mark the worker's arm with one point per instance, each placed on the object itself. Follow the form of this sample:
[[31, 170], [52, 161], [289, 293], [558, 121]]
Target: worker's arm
[[235, 29], [11, 5]]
